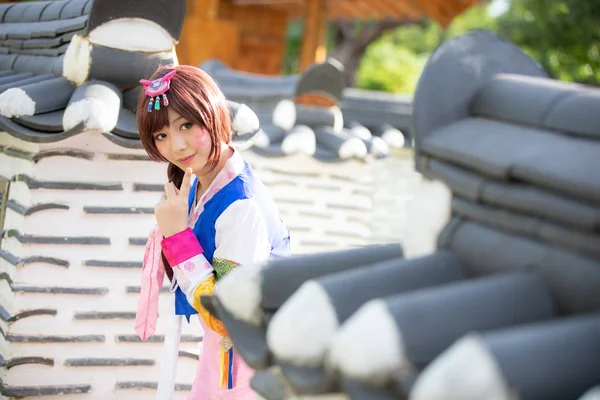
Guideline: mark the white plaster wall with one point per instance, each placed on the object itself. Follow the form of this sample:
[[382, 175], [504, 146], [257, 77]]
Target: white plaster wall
[[74, 222], [407, 208], [10, 166], [326, 206]]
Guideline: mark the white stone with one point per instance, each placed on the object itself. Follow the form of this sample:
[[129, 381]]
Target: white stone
[[15, 102], [239, 293], [302, 328], [368, 346], [353, 147], [132, 34], [284, 115], [245, 120], [76, 64], [94, 113], [465, 371]]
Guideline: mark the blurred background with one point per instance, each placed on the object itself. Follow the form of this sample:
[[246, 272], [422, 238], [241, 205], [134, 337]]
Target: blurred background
[[70, 280], [383, 44]]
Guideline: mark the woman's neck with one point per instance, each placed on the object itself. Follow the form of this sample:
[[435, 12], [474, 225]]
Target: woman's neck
[[206, 180]]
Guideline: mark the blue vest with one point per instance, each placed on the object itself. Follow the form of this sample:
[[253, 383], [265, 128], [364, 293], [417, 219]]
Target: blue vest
[[243, 186]]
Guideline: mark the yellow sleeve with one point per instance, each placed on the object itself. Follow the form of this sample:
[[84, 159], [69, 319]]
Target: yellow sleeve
[[206, 288]]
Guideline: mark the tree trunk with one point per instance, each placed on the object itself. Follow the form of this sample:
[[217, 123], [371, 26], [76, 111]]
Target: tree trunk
[[351, 40]]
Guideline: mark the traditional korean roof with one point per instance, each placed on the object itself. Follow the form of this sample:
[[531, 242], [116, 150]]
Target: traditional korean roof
[[508, 302], [349, 123], [71, 66]]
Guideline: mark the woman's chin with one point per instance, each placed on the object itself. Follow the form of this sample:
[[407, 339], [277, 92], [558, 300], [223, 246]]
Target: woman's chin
[[196, 166]]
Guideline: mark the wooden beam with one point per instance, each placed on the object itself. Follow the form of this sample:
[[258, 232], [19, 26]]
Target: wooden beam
[[457, 7], [431, 10], [370, 9], [378, 9], [340, 10], [404, 8], [314, 48], [390, 9], [263, 2], [207, 9], [446, 11]]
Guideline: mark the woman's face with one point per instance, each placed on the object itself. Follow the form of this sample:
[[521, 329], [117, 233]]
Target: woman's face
[[183, 143]]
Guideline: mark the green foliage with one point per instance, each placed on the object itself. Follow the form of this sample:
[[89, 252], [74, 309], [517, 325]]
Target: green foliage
[[291, 57], [394, 62], [390, 68], [563, 35]]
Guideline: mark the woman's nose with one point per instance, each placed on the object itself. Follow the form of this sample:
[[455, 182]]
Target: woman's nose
[[178, 142]]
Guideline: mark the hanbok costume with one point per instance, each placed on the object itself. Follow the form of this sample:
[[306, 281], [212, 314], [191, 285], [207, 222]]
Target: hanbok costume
[[235, 222]]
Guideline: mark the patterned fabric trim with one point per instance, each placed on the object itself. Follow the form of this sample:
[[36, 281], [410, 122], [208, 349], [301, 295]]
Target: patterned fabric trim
[[206, 288], [222, 267], [181, 247]]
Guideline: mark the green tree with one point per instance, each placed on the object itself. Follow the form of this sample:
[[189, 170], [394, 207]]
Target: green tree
[[563, 35], [394, 62], [390, 68]]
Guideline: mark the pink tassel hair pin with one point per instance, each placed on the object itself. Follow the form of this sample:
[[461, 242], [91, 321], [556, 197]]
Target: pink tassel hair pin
[[157, 88]]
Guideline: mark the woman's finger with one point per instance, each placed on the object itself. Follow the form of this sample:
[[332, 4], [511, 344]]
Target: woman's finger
[[187, 182], [170, 191]]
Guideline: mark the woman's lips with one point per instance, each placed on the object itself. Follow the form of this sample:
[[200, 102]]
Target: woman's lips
[[188, 159]]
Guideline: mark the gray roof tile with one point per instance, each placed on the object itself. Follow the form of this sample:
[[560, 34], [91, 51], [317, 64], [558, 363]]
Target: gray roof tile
[[38, 49], [123, 141], [49, 42], [57, 68], [52, 12], [35, 64], [47, 122], [12, 43], [30, 135], [4, 9], [7, 61], [50, 52], [12, 78], [167, 14], [34, 10], [127, 125], [15, 13], [74, 8], [88, 7], [44, 29], [25, 81]]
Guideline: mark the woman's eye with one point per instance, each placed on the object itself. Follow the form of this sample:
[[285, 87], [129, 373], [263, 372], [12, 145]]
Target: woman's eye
[[160, 136], [186, 126]]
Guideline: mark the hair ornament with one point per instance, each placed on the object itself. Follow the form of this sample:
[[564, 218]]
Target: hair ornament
[[157, 88]]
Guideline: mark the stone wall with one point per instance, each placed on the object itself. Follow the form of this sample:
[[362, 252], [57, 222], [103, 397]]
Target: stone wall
[[76, 224], [14, 160]]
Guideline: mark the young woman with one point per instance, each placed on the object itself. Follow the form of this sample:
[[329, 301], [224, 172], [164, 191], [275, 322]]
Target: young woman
[[214, 215]]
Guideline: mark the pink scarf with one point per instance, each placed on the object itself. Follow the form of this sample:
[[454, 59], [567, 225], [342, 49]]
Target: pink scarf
[[153, 274]]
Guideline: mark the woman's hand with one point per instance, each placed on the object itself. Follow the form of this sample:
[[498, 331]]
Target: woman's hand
[[171, 212]]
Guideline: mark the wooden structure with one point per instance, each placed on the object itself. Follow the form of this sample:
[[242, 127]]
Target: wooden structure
[[250, 35]]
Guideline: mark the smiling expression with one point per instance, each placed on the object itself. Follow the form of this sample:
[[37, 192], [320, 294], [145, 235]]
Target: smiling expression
[[183, 143]]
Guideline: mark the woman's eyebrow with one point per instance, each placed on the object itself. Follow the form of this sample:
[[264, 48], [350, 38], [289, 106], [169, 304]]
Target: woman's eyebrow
[[175, 120]]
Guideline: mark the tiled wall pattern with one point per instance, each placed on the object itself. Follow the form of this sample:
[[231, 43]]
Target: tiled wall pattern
[[76, 221]]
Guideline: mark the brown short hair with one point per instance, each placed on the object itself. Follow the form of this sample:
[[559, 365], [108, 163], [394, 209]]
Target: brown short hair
[[195, 96]]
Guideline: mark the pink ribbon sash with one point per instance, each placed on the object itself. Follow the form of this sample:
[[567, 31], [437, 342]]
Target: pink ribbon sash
[[153, 274]]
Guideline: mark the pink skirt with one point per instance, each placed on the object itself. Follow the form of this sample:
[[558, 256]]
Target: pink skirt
[[206, 383]]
